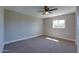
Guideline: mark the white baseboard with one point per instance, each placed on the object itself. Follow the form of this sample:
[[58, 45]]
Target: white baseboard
[[8, 42], [63, 38]]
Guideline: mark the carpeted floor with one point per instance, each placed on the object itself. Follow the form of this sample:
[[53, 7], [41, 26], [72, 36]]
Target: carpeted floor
[[41, 44]]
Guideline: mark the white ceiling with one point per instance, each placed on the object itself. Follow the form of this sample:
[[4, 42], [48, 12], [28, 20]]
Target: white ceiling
[[33, 10]]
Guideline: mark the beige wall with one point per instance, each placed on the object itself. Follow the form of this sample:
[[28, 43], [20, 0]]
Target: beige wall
[[1, 28], [18, 26], [67, 33]]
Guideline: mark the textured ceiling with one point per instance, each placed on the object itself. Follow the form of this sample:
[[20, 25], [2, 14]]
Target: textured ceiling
[[33, 10]]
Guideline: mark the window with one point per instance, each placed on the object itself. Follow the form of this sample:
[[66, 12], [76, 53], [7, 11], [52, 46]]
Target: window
[[58, 24]]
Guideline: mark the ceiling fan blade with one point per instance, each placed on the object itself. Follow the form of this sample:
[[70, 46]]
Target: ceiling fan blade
[[53, 9], [43, 13]]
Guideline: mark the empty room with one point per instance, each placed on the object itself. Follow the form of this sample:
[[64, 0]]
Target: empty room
[[39, 29]]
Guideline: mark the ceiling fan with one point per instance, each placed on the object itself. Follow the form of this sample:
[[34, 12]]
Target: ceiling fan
[[46, 10]]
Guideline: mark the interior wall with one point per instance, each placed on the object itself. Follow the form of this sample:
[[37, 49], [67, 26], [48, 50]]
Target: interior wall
[[19, 26], [67, 33], [1, 28], [77, 28]]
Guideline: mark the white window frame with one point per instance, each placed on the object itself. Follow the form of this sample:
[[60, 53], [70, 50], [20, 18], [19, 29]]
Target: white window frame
[[59, 24]]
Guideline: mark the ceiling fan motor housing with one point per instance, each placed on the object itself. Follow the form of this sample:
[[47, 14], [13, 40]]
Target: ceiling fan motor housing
[[46, 9]]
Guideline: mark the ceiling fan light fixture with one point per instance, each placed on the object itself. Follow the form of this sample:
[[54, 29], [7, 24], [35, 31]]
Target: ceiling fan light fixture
[[46, 12]]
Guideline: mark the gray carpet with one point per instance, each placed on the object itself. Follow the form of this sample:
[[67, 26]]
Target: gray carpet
[[41, 44]]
